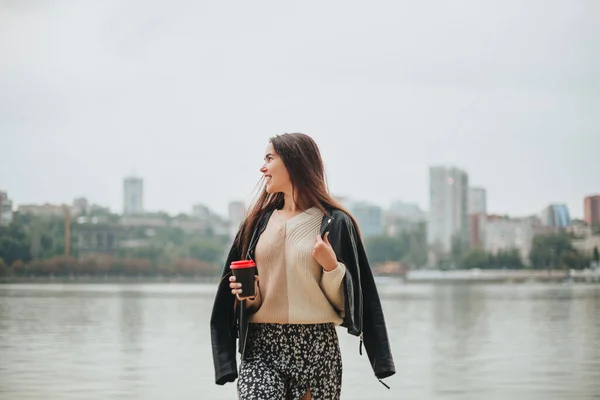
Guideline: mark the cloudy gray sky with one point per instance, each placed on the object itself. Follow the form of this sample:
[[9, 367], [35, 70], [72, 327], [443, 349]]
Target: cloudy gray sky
[[186, 94]]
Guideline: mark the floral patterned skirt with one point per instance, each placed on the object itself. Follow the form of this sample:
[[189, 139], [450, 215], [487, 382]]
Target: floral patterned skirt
[[284, 361]]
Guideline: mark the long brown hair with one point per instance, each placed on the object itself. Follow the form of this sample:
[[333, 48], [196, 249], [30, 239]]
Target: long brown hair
[[302, 159]]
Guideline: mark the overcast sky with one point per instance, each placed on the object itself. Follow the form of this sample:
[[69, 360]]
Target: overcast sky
[[186, 95]]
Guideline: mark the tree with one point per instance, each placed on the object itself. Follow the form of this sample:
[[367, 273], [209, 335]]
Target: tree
[[14, 241], [176, 236], [596, 256], [458, 249], [152, 253], [18, 268], [191, 267], [3, 268], [415, 240], [510, 259], [574, 259], [95, 264], [136, 266], [59, 265], [384, 248], [555, 251], [13, 248], [207, 250], [475, 258]]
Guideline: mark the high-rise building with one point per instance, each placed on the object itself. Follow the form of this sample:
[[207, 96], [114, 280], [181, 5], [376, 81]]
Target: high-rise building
[[477, 209], [369, 218], [448, 217], [556, 215], [5, 209], [408, 211], [592, 210], [133, 196], [477, 201], [476, 230]]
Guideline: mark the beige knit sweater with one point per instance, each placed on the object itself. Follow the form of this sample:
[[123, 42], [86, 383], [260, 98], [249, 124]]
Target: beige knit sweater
[[294, 288]]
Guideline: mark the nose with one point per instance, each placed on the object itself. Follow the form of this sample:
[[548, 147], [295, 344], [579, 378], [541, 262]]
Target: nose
[[263, 169]]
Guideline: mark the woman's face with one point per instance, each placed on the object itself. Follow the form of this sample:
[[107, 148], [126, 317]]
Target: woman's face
[[276, 175]]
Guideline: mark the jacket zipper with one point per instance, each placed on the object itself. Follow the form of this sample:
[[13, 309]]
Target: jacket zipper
[[360, 296], [360, 344], [329, 219]]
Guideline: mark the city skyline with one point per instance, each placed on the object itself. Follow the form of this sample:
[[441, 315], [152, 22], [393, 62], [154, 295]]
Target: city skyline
[[506, 92], [346, 200]]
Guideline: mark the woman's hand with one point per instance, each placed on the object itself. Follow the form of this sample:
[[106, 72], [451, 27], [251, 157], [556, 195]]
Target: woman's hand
[[323, 253], [236, 288]]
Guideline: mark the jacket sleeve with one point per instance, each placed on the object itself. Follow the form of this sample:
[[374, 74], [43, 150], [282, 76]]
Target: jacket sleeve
[[375, 334], [340, 238], [223, 330], [369, 313]]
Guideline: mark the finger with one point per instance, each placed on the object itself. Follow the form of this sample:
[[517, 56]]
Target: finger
[[232, 278], [319, 238], [326, 240], [256, 278]]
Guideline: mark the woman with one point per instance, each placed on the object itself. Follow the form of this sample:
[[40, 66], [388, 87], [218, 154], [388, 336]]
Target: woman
[[314, 275]]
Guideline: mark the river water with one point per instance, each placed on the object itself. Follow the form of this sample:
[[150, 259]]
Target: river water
[[450, 341]]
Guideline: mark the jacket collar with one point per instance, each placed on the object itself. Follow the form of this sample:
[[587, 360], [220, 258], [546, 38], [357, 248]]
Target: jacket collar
[[262, 225]]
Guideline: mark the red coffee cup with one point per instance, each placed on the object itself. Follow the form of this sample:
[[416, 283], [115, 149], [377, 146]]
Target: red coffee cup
[[244, 271]]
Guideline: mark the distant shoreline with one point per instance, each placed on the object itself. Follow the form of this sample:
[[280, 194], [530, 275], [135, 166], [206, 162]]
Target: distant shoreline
[[416, 276], [109, 279], [503, 276]]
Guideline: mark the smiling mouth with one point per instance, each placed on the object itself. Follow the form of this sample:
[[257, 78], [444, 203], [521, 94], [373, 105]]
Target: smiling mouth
[[268, 178]]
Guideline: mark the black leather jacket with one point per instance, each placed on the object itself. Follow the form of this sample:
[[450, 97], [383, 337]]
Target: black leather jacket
[[363, 315]]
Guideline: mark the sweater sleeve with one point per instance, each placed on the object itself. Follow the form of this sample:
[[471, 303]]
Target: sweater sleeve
[[332, 286]]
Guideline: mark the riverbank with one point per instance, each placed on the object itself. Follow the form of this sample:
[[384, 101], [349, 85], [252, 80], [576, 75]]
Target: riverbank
[[416, 276], [109, 279], [506, 276]]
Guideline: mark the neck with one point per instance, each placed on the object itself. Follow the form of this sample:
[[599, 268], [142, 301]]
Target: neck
[[289, 205]]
